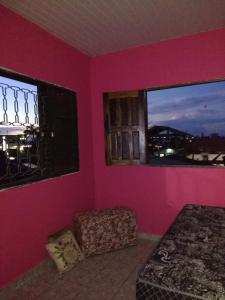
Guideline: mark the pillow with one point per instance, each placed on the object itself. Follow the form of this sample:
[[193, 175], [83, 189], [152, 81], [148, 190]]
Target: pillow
[[65, 251], [56, 235]]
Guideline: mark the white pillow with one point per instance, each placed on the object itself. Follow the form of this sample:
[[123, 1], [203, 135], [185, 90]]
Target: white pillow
[[65, 251]]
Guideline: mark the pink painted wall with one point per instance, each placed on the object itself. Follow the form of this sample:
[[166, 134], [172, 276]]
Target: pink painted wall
[[156, 193], [30, 213]]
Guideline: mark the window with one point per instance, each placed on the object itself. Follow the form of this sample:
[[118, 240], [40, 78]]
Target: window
[[38, 130], [182, 125]]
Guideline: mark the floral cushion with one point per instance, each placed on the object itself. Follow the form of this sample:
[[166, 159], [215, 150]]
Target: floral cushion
[[106, 230], [65, 251]]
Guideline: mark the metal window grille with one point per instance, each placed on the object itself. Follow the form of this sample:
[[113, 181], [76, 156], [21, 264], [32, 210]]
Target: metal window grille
[[19, 134]]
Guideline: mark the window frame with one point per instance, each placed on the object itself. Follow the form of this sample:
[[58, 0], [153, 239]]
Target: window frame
[[39, 83], [146, 90]]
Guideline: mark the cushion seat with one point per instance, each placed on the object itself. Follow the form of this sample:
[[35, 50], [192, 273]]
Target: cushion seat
[[105, 230]]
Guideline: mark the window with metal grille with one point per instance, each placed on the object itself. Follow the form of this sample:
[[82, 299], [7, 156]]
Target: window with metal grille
[[38, 130]]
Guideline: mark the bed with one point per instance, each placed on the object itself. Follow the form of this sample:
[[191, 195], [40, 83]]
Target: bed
[[189, 261]]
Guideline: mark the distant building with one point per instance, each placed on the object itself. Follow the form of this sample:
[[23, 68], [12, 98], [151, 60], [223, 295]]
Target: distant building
[[183, 148]]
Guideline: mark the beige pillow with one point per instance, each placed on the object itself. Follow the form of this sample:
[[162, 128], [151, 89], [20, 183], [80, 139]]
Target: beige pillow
[[65, 251]]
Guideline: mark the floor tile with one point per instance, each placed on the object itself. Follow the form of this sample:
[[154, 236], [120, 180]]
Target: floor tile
[[110, 276]]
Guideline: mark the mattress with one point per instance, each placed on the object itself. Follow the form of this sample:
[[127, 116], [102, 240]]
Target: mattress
[[189, 261]]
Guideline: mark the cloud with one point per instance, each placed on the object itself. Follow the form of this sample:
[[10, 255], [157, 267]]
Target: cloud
[[195, 126], [187, 103], [193, 114]]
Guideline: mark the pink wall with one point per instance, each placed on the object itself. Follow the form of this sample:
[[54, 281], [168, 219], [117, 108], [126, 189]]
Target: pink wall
[[30, 213], [156, 193]]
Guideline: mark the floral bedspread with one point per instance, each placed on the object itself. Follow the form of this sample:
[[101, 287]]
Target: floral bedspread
[[190, 258]]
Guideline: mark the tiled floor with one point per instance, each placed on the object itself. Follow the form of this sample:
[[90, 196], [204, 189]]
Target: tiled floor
[[109, 276]]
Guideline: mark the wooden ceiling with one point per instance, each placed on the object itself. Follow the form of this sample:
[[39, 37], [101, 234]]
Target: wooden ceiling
[[97, 27]]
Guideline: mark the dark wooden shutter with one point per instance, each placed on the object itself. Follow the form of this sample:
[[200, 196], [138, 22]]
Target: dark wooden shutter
[[125, 127], [59, 136]]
